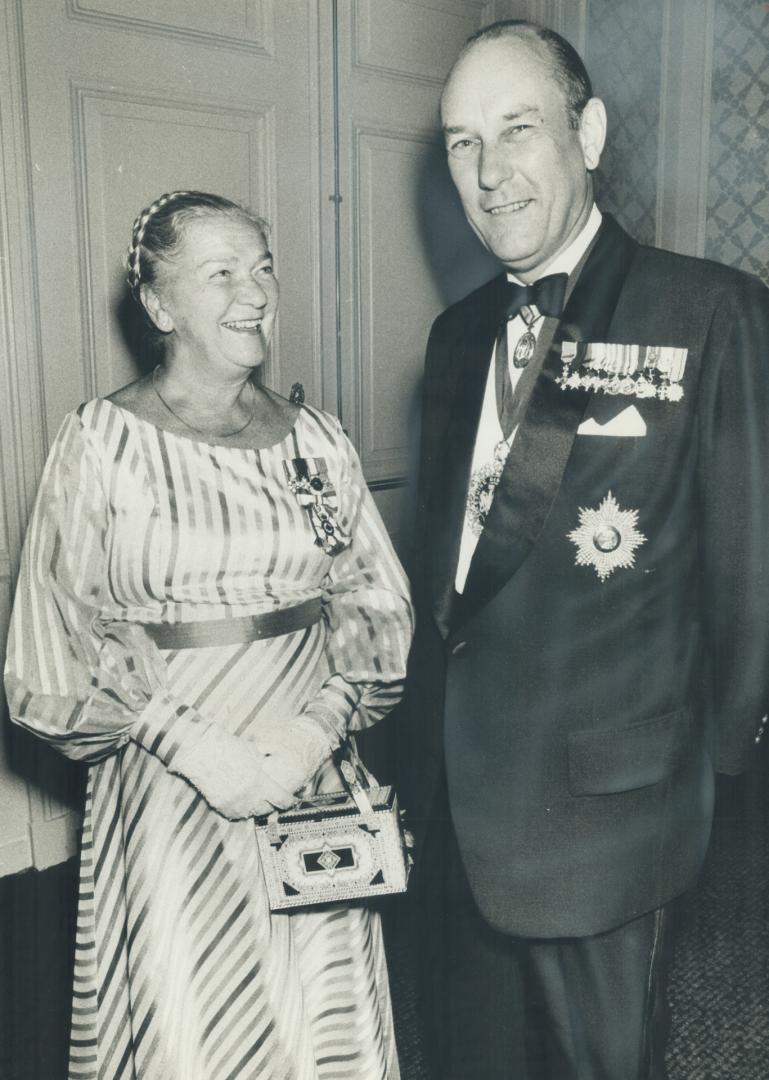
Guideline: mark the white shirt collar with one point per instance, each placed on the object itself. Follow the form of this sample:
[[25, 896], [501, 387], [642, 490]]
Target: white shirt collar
[[567, 259]]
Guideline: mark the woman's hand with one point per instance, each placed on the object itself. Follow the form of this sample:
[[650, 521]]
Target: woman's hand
[[294, 752], [228, 771]]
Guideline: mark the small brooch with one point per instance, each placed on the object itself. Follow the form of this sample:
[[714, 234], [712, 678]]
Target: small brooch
[[607, 537], [308, 480]]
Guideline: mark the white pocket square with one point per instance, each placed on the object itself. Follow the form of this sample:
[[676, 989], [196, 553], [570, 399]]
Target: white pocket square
[[629, 422]]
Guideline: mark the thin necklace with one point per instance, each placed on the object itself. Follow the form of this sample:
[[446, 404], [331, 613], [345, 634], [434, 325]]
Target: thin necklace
[[199, 431]]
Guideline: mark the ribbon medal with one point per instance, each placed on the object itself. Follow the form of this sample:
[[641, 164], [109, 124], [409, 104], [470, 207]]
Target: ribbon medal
[[642, 371], [308, 480]]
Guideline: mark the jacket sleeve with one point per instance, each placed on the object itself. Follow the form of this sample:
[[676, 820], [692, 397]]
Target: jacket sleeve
[[74, 675], [733, 491], [418, 722], [437, 390]]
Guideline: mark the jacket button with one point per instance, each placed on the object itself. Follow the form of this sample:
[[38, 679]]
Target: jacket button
[[459, 648]]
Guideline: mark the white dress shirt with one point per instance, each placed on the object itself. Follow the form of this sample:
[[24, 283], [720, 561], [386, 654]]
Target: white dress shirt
[[489, 435]]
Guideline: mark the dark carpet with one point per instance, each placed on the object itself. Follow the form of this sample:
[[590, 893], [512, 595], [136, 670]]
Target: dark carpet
[[720, 981], [719, 988]]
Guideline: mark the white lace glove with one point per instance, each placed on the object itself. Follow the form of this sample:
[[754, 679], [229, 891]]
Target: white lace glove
[[295, 751], [229, 773]]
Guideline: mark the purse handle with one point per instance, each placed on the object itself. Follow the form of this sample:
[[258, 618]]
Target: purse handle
[[348, 767], [353, 784]]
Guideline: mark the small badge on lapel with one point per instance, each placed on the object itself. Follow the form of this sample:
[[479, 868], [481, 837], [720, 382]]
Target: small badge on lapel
[[607, 537], [642, 371]]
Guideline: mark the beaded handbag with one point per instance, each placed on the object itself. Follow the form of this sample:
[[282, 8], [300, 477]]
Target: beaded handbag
[[348, 845]]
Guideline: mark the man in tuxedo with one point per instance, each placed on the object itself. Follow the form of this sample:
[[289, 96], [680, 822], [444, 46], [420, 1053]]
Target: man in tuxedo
[[594, 576]]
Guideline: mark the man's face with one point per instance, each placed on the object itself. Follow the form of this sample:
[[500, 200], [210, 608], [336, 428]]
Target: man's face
[[519, 166]]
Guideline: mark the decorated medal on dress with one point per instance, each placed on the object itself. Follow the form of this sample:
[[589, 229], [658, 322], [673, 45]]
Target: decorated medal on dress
[[642, 371], [308, 480], [607, 537]]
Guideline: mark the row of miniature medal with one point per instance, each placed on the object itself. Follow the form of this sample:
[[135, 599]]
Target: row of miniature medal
[[642, 371]]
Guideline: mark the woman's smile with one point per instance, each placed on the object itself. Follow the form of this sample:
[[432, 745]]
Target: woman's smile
[[219, 295]]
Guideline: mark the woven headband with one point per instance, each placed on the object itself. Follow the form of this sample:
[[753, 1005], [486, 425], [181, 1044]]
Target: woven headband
[[133, 255]]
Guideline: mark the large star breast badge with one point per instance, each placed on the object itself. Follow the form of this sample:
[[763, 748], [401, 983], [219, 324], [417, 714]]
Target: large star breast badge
[[607, 537]]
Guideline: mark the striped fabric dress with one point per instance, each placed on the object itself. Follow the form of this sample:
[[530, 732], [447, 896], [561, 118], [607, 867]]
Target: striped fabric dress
[[181, 970]]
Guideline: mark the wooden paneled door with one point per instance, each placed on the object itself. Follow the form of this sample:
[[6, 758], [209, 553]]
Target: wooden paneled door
[[128, 101], [113, 104], [405, 250]]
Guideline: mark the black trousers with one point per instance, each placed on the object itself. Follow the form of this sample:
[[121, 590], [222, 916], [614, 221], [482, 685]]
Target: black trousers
[[504, 1008]]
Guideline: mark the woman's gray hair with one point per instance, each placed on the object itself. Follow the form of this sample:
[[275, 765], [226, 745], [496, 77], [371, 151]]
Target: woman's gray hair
[[158, 230]]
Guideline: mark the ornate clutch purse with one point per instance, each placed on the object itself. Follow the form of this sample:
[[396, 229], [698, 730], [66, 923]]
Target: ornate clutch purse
[[344, 846]]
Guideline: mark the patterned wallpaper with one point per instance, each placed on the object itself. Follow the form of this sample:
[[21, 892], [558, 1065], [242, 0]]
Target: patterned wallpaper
[[623, 56], [738, 190]]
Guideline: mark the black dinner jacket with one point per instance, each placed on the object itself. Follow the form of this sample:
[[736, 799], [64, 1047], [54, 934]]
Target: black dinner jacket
[[581, 718]]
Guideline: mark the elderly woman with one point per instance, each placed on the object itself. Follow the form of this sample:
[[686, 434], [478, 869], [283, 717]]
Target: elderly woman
[[203, 635]]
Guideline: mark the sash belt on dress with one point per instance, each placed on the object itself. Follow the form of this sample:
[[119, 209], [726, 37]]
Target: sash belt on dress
[[199, 635]]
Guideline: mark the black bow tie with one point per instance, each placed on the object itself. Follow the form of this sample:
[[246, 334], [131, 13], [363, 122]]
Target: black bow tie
[[547, 295]]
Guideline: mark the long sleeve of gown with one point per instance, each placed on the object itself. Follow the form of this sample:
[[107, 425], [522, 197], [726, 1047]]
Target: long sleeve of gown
[[368, 612], [76, 674]]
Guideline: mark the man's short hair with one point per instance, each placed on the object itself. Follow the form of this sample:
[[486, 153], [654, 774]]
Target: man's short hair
[[568, 70]]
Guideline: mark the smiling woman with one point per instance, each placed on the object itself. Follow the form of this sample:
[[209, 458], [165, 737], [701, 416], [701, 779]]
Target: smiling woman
[[189, 628], [200, 267]]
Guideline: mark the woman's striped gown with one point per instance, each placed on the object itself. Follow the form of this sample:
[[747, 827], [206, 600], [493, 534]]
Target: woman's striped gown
[[182, 972]]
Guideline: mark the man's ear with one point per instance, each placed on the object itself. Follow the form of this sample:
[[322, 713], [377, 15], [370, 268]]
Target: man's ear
[[592, 132], [153, 305]]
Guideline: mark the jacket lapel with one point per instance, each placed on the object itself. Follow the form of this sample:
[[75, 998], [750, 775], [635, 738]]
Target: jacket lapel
[[535, 465], [451, 471]]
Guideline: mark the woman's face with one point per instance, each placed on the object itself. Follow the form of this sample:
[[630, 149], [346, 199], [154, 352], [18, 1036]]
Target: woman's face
[[218, 295]]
